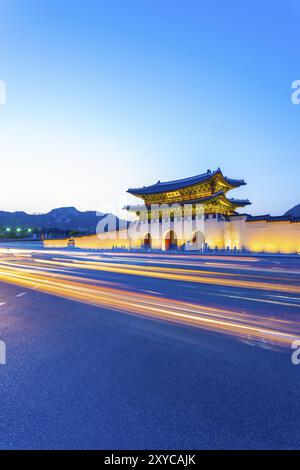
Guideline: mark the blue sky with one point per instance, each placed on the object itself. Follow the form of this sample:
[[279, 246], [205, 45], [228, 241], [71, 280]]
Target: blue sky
[[106, 95]]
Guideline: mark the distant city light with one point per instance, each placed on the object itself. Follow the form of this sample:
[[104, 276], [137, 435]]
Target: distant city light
[[8, 229], [18, 229]]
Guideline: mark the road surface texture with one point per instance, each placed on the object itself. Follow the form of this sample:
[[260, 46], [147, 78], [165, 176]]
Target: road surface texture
[[142, 351]]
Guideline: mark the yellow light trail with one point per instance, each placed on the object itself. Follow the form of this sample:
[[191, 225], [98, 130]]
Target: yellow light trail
[[234, 323], [185, 275]]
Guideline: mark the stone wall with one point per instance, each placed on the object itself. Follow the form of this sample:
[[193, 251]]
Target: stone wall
[[235, 233]]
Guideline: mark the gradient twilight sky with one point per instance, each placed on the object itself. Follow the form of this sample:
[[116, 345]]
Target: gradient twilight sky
[[106, 95]]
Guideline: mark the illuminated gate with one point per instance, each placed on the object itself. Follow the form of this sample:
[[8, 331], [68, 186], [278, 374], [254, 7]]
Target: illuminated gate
[[170, 241], [147, 241]]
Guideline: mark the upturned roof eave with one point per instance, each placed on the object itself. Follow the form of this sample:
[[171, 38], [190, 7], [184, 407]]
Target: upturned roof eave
[[220, 194], [167, 186]]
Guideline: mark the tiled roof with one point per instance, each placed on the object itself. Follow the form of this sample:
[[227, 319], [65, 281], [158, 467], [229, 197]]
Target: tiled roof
[[236, 202], [269, 218], [166, 186], [258, 218]]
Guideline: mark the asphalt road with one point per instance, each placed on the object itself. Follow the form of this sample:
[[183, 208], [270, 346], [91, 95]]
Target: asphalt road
[[128, 351]]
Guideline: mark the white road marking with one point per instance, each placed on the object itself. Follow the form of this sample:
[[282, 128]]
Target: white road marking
[[286, 304], [21, 294], [229, 291], [2, 303], [284, 297]]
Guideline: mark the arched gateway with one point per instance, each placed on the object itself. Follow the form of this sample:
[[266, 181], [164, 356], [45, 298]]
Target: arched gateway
[[198, 240], [201, 197], [170, 241], [147, 242]]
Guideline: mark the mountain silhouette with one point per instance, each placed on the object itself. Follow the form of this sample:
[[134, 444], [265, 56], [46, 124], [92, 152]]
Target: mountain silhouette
[[294, 212], [63, 218]]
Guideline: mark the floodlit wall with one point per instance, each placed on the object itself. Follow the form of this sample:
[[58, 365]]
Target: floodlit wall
[[106, 241], [103, 241], [258, 236], [234, 237], [56, 242], [214, 231], [271, 237]]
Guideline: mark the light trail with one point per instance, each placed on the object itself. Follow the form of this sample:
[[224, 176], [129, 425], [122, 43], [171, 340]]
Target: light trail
[[182, 274], [242, 325]]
